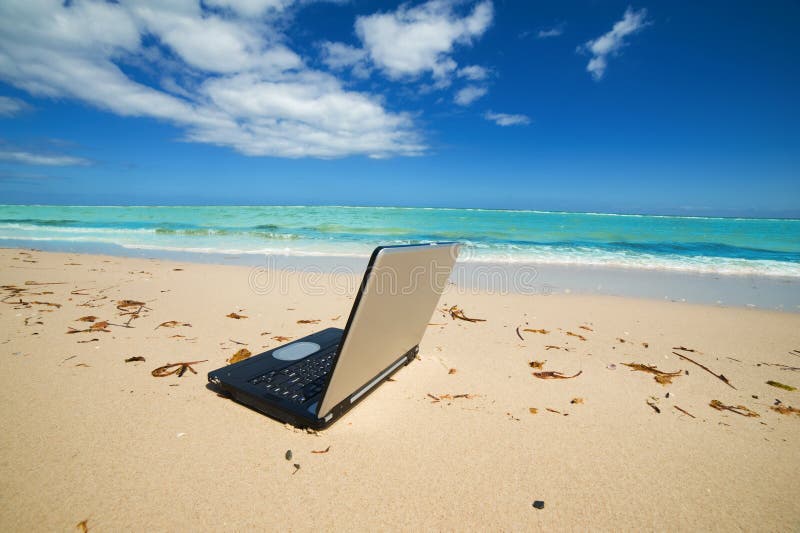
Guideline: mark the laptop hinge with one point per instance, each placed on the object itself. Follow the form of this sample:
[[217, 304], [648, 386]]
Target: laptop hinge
[[366, 388]]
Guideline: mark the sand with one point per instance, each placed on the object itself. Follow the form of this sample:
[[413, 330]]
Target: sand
[[87, 436]]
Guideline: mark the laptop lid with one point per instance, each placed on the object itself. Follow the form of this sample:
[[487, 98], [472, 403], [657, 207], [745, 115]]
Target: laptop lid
[[397, 297]]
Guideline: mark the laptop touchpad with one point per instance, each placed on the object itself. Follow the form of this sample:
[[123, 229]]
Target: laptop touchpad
[[295, 351]]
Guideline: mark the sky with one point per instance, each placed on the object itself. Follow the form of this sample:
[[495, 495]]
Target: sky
[[601, 106]]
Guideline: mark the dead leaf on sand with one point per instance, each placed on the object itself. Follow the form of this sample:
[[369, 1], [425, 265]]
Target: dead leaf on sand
[[241, 355], [134, 359], [123, 305], [555, 375], [781, 386], [326, 450], [456, 312], [738, 409], [175, 368], [452, 371], [88, 318], [664, 378], [537, 364], [533, 410], [237, 316]]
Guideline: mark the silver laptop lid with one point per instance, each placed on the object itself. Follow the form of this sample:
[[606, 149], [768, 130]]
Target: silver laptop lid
[[397, 298]]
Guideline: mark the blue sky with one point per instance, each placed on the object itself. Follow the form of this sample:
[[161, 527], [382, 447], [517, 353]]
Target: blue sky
[[585, 106]]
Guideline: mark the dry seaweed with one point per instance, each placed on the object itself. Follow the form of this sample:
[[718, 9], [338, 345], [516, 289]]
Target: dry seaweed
[[533, 410], [123, 305], [782, 367], [685, 349], [134, 359], [237, 316], [172, 324], [456, 312], [556, 412], [326, 450], [88, 341], [552, 347], [555, 375], [45, 283], [781, 385], [97, 326], [82, 526], [308, 321], [281, 338], [436, 399], [738, 409], [452, 371], [718, 376], [578, 335], [542, 331], [538, 365], [88, 318], [587, 328], [664, 378], [785, 409], [684, 411], [576, 400], [175, 368], [241, 355]]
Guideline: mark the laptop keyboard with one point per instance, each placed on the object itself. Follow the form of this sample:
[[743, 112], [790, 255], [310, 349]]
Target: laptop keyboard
[[300, 381]]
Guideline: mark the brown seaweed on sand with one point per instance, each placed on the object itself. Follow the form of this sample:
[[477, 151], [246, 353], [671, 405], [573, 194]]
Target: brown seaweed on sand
[[175, 368], [88, 318], [124, 305], [237, 316], [664, 378], [134, 359], [738, 409], [326, 450], [685, 349], [552, 347], [718, 376], [578, 335], [452, 371], [538, 365], [533, 410], [653, 406], [308, 321], [82, 526], [172, 324], [241, 355], [281, 338], [576, 400], [555, 375], [97, 326], [785, 410], [587, 328], [440, 397], [457, 312], [541, 331]]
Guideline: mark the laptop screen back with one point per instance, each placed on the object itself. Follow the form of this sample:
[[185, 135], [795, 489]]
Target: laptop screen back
[[397, 299]]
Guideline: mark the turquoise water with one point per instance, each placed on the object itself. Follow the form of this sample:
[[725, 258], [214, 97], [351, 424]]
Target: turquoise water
[[720, 245]]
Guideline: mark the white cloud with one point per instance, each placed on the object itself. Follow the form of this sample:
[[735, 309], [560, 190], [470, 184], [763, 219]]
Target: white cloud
[[10, 107], [555, 31], [473, 72], [469, 94], [251, 8], [505, 119], [29, 158], [610, 43], [412, 41], [224, 80]]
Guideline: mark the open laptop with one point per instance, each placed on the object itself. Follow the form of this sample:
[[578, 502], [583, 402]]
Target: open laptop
[[314, 380]]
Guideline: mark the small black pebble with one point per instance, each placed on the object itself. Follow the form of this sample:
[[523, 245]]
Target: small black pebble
[[539, 504], [755, 396], [667, 396], [288, 455]]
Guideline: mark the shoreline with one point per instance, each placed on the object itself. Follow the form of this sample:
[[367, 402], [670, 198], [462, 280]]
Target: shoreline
[[780, 293]]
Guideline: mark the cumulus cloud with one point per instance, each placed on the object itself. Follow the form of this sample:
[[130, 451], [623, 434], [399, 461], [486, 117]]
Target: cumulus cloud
[[611, 42], [413, 41], [469, 94], [225, 78], [29, 158], [473, 72], [505, 119], [10, 107]]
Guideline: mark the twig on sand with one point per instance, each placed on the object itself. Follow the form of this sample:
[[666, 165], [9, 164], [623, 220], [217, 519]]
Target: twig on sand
[[457, 312], [738, 409], [718, 376], [684, 411], [520, 335]]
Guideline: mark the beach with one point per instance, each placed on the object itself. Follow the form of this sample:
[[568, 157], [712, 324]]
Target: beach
[[466, 436]]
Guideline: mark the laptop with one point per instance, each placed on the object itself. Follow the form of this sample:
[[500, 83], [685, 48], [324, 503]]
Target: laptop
[[315, 380]]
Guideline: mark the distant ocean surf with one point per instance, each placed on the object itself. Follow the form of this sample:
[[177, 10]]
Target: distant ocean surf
[[767, 247]]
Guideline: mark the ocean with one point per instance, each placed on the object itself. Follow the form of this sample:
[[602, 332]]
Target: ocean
[[735, 246]]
